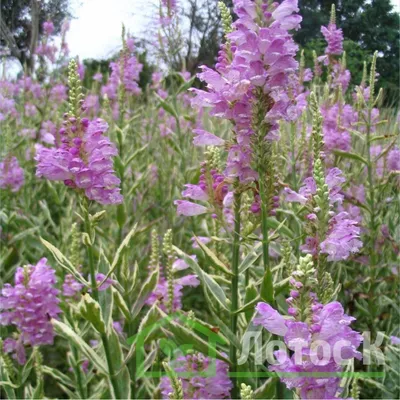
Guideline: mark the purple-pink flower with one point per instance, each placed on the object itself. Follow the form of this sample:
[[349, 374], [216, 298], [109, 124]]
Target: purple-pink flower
[[196, 382], [261, 56], [48, 27], [328, 326], [334, 37], [84, 161], [342, 238], [29, 306], [11, 174]]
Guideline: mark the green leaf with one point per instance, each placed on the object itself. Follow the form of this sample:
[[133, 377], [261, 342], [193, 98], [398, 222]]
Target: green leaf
[[121, 305], [251, 258], [216, 290], [24, 234], [68, 392], [122, 247], [27, 368], [167, 107], [267, 287], [90, 311], [351, 156], [215, 261], [121, 215], [59, 376], [148, 287], [250, 299], [122, 377], [187, 85], [65, 331], [135, 154], [64, 262], [267, 390], [106, 298]]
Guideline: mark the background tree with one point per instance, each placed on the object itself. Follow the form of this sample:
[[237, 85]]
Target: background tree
[[21, 26], [367, 26]]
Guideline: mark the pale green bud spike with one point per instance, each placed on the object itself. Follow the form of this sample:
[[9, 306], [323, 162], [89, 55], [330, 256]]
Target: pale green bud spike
[[302, 60], [75, 89], [344, 61], [372, 75], [155, 251], [38, 367], [364, 75], [355, 390], [378, 98], [246, 392], [8, 364], [176, 383], [326, 288], [167, 243], [123, 33], [75, 246], [333, 15], [306, 265], [169, 253], [226, 17], [316, 132], [315, 58]]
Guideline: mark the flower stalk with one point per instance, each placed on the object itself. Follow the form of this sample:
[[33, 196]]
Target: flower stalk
[[235, 287]]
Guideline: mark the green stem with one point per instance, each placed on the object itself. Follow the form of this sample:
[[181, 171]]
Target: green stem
[[92, 267], [371, 188], [95, 294], [78, 373], [111, 372], [132, 364], [265, 241], [372, 227], [235, 289], [293, 150]]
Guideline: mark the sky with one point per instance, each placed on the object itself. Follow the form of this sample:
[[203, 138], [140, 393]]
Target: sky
[[96, 30]]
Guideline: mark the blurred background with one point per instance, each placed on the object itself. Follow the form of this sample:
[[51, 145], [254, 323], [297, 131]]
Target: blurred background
[[95, 26]]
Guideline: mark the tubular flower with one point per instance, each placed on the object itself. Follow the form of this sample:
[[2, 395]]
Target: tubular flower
[[196, 383], [84, 161], [29, 305], [334, 37], [260, 58], [327, 324]]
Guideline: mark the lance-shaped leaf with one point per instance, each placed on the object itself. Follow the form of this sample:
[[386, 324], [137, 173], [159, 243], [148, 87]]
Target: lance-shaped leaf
[[167, 107], [251, 258], [215, 261], [147, 288], [90, 310], [267, 287], [64, 262], [267, 390], [216, 290], [122, 378], [118, 254], [106, 299], [250, 300], [351, 156], [121, 305], [135, 154], [58, 376], [65, 331]]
